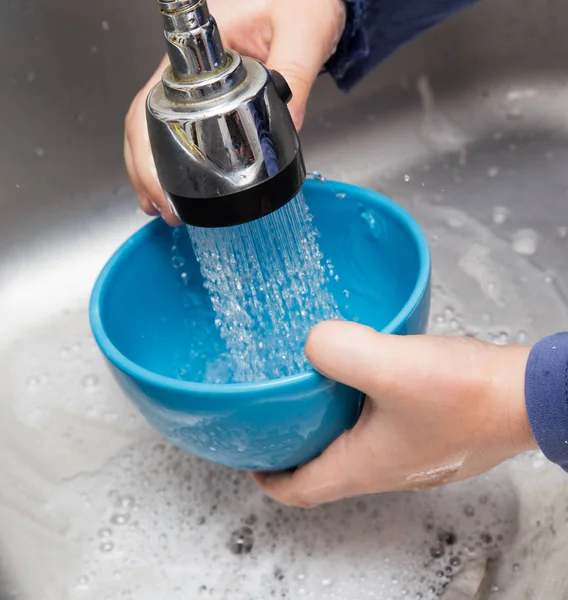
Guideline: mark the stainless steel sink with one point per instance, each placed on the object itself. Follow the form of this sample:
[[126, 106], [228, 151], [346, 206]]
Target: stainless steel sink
[[467, 127]]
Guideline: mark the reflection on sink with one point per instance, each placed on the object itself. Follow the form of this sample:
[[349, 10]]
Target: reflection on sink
[[465, 127]]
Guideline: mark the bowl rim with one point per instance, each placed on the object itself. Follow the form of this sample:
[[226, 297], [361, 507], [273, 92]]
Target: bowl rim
[[129, 367]]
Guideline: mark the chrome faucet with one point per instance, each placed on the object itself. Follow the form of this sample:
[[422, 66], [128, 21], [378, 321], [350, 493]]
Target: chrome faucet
[[225, 147]]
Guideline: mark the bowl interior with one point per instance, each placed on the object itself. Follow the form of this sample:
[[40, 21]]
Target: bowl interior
[[155, 311]]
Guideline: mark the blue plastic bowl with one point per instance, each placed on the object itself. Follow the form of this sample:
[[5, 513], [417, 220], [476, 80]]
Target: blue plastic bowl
[[138, 314]]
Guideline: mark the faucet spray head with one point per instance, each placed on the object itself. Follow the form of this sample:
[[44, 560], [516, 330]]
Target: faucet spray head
[[225, 147]]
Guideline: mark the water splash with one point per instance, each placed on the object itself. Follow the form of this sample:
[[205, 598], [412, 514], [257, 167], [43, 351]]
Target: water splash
[[267, 285]]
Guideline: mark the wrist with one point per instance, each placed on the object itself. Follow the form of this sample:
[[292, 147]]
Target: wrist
[[508, 395]]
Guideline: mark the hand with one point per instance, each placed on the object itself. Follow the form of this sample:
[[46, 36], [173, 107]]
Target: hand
[[438, 410], [295, 37]]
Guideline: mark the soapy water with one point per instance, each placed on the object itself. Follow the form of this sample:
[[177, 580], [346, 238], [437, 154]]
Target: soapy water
[[268, 287]]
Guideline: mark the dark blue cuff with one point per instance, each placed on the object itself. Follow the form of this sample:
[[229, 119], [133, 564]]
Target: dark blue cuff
[[546, 393], [376, 28]]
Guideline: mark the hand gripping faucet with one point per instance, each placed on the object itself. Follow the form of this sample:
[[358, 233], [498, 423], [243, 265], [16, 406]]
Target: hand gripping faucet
[[225, 147]]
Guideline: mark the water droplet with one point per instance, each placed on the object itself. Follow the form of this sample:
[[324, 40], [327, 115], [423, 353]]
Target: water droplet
[[563, 232], [317, 176], [340, 196], [469, 511], [39, 151], [407, 178], [521, 337], [326, 582], [500, 214], [105, 25], [525, 242], [31, 77], [493, 171]]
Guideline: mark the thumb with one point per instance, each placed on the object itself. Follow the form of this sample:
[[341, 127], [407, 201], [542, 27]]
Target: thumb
[[371, 362], [300, 46]]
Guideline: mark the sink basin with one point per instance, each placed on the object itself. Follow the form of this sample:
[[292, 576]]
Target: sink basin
[[466, 128]]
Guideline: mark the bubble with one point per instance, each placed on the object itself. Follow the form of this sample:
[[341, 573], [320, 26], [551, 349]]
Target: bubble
[[105, 26], [407, 178], [340, 196], [178, 262], [120, 519], [500, 214], [437, 551], [326, 582], [90, 380], [493, 171], [469, 510], [39, 151], [525, 242], [106, 547], [241, 541], [33, 382], [455, 222], [447, 537], [126, 502], [486, 538]]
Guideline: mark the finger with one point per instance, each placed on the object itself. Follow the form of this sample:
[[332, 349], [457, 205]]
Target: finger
[[148, 207], [355, 355], [143, 164], [143, 201], [331, 476], [388, 367], [131, 170], [300, 46]]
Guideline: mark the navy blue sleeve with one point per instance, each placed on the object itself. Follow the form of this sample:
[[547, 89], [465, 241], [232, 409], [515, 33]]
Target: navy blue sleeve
[[376, 28], [546, 393]]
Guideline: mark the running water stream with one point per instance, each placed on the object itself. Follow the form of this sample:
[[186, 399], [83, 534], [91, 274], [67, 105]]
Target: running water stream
[[267, 283]]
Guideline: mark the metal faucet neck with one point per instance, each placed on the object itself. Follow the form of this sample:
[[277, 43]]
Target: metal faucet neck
[[193, 40]]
